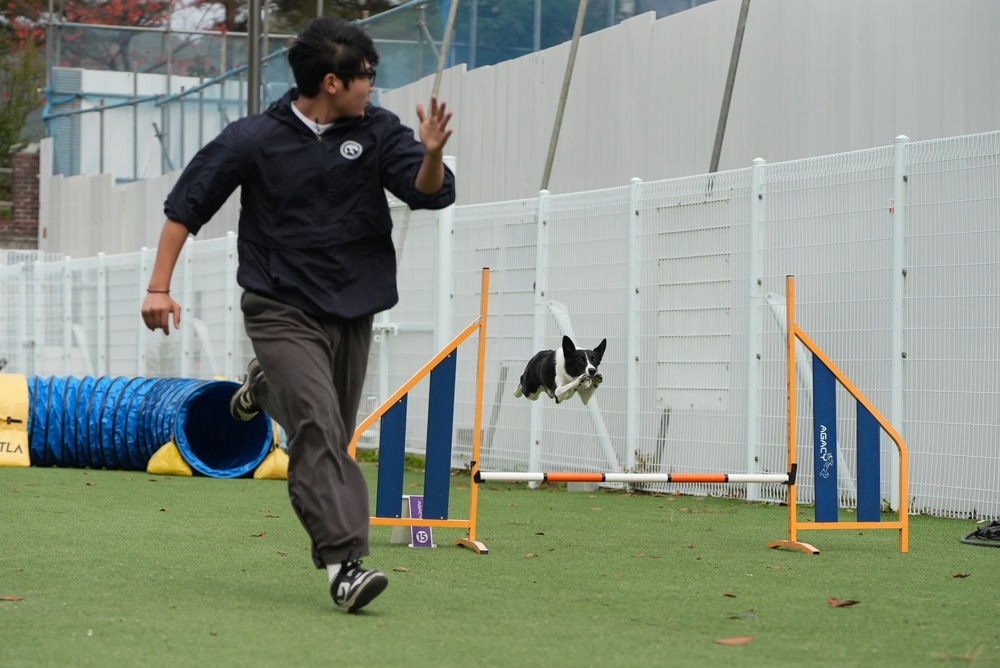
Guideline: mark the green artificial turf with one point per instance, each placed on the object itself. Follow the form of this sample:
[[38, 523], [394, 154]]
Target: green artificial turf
[[118, 568]]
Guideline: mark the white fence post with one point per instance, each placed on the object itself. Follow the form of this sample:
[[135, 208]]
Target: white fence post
[[102, 316], [142, 336], [901, 156], [633, 325], [37, 324], [444, 271], [187, 312], [230, 363], [755, 313], [67, 316], [540, 320], [20, 352]]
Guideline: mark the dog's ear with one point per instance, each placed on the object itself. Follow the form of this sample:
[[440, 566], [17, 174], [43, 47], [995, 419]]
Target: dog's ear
[[600, 347], [568, 346]]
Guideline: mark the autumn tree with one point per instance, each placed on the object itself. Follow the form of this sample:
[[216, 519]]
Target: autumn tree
[[289, 16], [22, 72]]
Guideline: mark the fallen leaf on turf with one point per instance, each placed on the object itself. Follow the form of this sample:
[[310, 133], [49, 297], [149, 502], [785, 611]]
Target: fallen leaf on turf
[[841, 604], [213, 632], [163, 510], [690, 545], [960, 575], [596, 508], [528, 556], [282, 554], [11, 598], [728, 595], [401, 569], [513, 505], [640, 555], [90, 632], [272, 516], [742, 640], [91, 484], [259, 535], [778, 568]]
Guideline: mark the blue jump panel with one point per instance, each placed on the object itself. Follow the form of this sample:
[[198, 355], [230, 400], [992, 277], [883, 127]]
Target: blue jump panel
[[869, 475], [440, 420], [391, 452], [825, 441]]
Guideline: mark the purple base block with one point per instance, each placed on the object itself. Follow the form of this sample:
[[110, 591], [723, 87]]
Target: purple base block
[[419, 536]]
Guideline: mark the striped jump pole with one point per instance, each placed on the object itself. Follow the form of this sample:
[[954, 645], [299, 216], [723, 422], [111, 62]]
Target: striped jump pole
[[440, 422], [870, 424], [772, 478]]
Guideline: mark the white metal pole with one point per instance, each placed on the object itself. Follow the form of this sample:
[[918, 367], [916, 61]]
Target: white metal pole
[[37, 324], [444, 270], [231, 364], [755, 311], [540, 321], [145, 269], [102, 315], [187, 312], [901, 154], [632, 326], [67, 317], [20, 351]]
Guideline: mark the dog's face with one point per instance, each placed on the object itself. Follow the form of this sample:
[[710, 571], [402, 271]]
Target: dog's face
[[580, 361]]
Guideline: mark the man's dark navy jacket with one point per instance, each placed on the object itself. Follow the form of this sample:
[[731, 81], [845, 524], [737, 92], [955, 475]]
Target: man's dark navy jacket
[[315, 228]]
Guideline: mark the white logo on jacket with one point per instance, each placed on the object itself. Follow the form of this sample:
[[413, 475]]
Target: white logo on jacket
[[350, 149]]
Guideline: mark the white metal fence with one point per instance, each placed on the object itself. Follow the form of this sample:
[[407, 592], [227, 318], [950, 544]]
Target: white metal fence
[[894, 251]]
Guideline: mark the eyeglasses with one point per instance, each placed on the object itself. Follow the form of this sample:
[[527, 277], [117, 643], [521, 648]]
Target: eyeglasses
[[369, 73]]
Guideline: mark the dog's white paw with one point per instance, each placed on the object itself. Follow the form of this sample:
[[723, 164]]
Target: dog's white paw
[[598, 379], [519, 392]]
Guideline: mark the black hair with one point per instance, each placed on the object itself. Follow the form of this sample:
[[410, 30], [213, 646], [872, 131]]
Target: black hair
[[329, 45]]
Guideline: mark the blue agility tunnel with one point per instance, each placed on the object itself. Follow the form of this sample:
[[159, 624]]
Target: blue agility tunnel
[[120, 423]]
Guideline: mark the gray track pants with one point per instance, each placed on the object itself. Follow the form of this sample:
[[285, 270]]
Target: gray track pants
[[315, 371]]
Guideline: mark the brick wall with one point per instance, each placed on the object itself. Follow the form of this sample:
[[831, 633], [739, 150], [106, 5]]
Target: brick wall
[[22, 230]]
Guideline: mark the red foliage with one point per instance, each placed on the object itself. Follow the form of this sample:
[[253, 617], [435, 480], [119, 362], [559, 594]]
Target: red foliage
[[29, 18]]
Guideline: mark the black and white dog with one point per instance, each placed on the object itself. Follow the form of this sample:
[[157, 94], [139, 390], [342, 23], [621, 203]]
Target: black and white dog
[[563, 373]]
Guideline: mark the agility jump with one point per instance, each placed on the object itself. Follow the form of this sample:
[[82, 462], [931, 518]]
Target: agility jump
[[440, 418], [870, 423]]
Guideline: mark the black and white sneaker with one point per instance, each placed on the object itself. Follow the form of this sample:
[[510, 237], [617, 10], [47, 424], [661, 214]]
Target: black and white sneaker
[[243, 406], [354, 587]]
